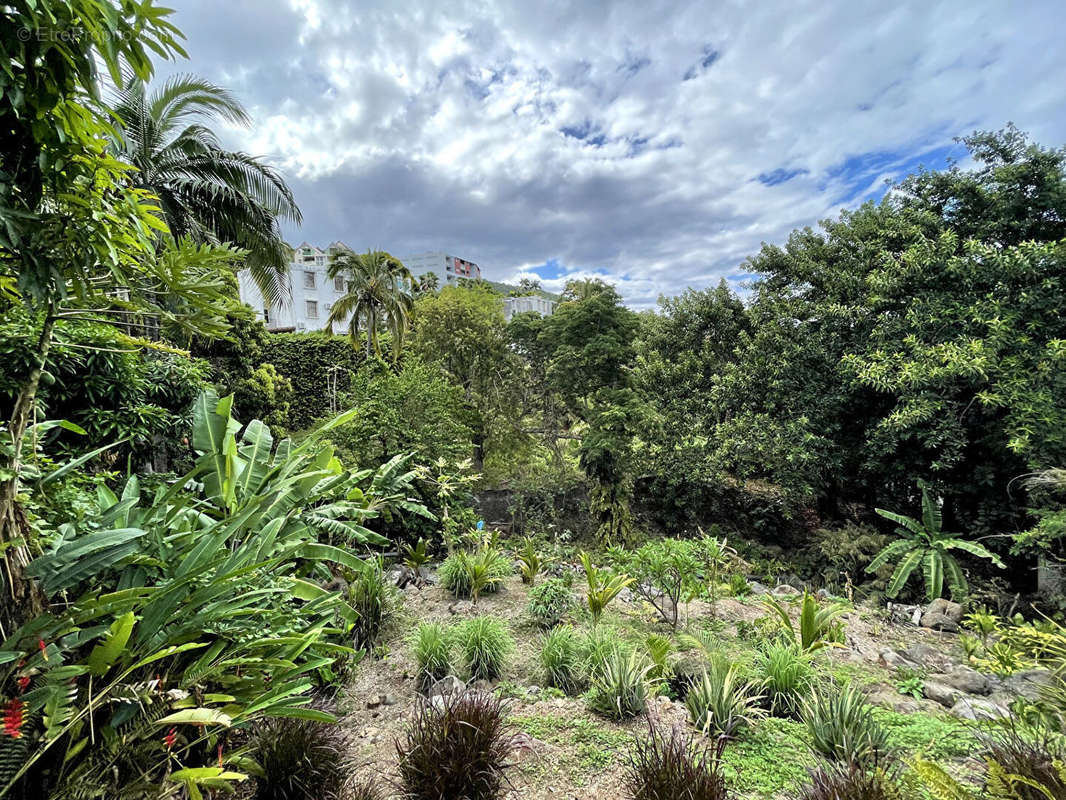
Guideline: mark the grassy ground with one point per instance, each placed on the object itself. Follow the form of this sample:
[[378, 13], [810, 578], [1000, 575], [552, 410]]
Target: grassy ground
[[573, 753]]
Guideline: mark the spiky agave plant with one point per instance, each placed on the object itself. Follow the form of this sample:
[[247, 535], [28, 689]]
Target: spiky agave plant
[[924, 543]]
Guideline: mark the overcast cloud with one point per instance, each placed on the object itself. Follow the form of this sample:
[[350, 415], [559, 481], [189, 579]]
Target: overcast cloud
[[656, 144]]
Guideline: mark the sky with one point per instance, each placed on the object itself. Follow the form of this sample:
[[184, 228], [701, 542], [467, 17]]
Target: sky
[[653, 144]]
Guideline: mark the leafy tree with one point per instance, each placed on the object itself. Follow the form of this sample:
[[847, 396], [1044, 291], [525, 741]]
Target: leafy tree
[[591, 345], [924, 543], [377, 297], [427, 283], [414, 410], [206, 192]]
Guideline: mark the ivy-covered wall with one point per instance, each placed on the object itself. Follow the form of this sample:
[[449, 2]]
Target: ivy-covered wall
[[308, 360]]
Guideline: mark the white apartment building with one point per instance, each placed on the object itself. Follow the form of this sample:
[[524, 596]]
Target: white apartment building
[[312, 292], [533, 302], [448, 269]]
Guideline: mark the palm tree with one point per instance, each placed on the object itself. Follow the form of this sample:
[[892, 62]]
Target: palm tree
[[206, 192], [378, 297]]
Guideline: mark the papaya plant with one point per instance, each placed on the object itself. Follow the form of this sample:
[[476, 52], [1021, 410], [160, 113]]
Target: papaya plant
[[923, 543]]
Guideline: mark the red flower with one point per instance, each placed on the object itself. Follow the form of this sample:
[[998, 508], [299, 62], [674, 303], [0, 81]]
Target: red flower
[[13, 718], [170, 738], [43, 648], [23, 682]]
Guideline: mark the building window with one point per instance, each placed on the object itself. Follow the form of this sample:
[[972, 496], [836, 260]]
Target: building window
[[266, 314], [309, 280], [338, 283], [320, 259], [312, 309]]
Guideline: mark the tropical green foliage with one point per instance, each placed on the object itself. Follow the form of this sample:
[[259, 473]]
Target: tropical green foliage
[[377, 298], [603, 587], [562, 656], [432, 652], [723, 701], [619, 687], [817, 625], [923, 543], [842, 727], [664, 572], [787, 674], [468, 573], [206, 193], [188, 565]]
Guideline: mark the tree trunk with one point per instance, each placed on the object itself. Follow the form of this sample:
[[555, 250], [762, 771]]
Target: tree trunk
[[22, 599]]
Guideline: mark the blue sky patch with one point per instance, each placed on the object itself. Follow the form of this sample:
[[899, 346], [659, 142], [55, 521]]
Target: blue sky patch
[[779, 175]]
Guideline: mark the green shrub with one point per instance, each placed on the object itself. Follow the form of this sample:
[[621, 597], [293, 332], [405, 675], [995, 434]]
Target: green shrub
[[562, 657], [738, 585], [549, 601], [485, 645], [458, 748], [665, 573], [843, 728], [471, 574], [432, 652], [301, 759], [620, 685], [600, 646], [721, 702], [787, 675], [675, 767]]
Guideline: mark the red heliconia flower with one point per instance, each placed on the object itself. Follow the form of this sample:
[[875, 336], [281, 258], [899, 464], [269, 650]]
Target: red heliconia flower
[[170, 737], [13, 718], [43, 648], [23, 682]]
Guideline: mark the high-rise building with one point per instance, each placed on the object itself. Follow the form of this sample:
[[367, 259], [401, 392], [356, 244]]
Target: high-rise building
[[448, 269]]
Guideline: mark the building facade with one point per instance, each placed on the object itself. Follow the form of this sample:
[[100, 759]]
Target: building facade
[[448, 269], [533, 302], [311, 291]]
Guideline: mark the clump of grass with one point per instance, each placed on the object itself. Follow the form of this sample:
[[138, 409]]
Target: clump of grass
[[722, 701], [485, 645], [471, 574], [620, 685], [433, 653], [675, 767], [843, 728], [849, 782], [549, 601], [458, 748], [787, 675], [301, 759], [369, 596], [562, 657], [1037, 757]]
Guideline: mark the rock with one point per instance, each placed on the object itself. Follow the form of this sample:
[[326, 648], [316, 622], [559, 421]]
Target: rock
[[952, 611], [794, 580], [895, 659], [757, 588], [461, 607], [903, 614], [925, 655], [939, 622], [823, 594], [882, 694], [941, 693], [1027, 683], [785, 590], [526, 747], [626, 595], [966, 680], [481, 685], [975, 708], [446, 685]]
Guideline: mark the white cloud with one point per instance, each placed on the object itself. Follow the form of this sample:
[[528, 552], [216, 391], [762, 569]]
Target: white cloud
[[416, 126]]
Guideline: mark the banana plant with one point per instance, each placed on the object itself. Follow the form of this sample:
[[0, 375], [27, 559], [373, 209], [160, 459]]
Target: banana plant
[[209, 621], [923, 542]]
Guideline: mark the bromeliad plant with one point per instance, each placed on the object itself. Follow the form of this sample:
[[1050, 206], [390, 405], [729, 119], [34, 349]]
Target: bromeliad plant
[[924, 544], [817, 625], [181, 614]]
